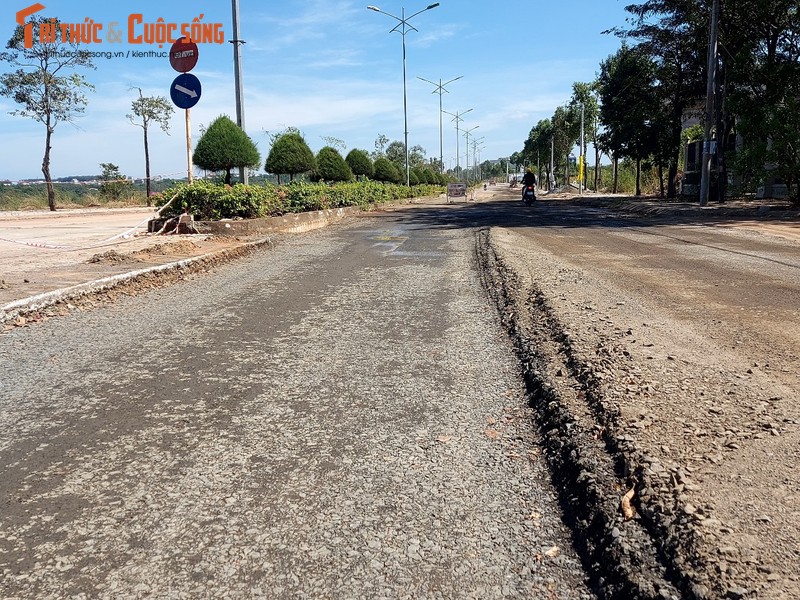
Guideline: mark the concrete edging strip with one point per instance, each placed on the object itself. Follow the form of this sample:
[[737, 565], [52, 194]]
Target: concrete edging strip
[[17, 308]]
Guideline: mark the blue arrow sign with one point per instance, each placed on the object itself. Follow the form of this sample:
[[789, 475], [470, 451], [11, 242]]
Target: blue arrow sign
[[185, 90]]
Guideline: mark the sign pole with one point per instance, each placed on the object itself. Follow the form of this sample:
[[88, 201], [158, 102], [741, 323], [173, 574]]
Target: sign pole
[[185, 89], [188, 147]]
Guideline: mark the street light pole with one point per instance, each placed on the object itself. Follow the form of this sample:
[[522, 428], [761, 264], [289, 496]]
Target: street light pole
[[457, 118], [466, 135], [440, 90], [477, 146], [403, 27]]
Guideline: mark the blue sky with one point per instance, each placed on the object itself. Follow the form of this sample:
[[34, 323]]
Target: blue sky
[[329, 68]]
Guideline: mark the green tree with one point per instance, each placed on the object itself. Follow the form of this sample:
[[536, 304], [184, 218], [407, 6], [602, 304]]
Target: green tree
[[387, 171], [628, 104], [40, 83], [416, 157], [289, 155], [671, 32], [335, 142], [396, 152], [148, 110], [380, 146], [360, 163], [273, 137], [113, 183], [566, 127], [424, 175], [761, 76], [225, 146], [536, 150], [583, 96], [331, 166]]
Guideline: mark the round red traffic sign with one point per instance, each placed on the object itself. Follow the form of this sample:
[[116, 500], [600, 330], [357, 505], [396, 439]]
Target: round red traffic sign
[[183, 55]]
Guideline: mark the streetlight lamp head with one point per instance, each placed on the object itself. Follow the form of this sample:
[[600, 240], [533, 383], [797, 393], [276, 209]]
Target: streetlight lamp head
[[375, 8], [432, 6]]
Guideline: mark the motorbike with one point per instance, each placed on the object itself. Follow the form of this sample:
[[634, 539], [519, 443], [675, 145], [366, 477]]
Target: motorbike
[[529, 195]]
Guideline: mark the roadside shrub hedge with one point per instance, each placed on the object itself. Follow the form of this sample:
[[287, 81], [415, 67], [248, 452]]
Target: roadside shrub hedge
[[214, 201]]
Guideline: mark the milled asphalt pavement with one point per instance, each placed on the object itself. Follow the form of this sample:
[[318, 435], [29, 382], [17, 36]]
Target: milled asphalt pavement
[[338, 416]]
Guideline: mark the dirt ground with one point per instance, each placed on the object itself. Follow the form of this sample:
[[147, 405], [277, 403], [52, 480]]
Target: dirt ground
[[44, 251], [684, 395]]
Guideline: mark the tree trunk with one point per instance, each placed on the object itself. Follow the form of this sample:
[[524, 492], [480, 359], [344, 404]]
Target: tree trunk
[[596, 168], [661, 179], [638, 176], [51, 192], [722, 133], [676, 141], [227, 176], [615, 168], [147, 166]]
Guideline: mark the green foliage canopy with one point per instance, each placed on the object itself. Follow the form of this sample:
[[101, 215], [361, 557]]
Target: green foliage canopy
[[331, 166], [224, 146], [290, 155], [360, 163], [387, 171], [113, 183]]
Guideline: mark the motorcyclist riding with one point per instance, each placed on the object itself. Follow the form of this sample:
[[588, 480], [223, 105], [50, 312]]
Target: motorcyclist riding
[[528, 179]]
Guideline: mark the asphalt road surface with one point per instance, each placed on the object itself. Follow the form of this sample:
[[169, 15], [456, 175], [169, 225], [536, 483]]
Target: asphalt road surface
[[338, 417], [345, 416]]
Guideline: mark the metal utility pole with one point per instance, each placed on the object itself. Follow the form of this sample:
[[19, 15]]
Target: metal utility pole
[[440, 90], [582, 166], [705, 175], [237, 76], [466, 135], [476, 159], [457, 118]]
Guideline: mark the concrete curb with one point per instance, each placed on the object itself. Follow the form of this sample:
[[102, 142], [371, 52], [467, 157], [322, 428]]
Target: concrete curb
[[18, 308]]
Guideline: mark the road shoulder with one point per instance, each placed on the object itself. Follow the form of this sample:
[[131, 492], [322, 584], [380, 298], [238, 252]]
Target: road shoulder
[[634, 402]]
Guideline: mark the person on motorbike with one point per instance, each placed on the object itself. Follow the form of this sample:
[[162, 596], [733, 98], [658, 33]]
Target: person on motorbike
[[529, 179]]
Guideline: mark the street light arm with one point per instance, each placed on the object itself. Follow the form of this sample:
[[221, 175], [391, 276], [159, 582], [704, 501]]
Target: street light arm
[[457, 115], [440, 87], [430, 6], [470, 130], [383, 12]]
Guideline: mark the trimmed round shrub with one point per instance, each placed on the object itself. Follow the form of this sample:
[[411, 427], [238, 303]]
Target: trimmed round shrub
[[360, 163], [331, 166]]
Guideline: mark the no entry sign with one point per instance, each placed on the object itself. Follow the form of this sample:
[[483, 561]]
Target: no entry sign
[[183, 55]]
